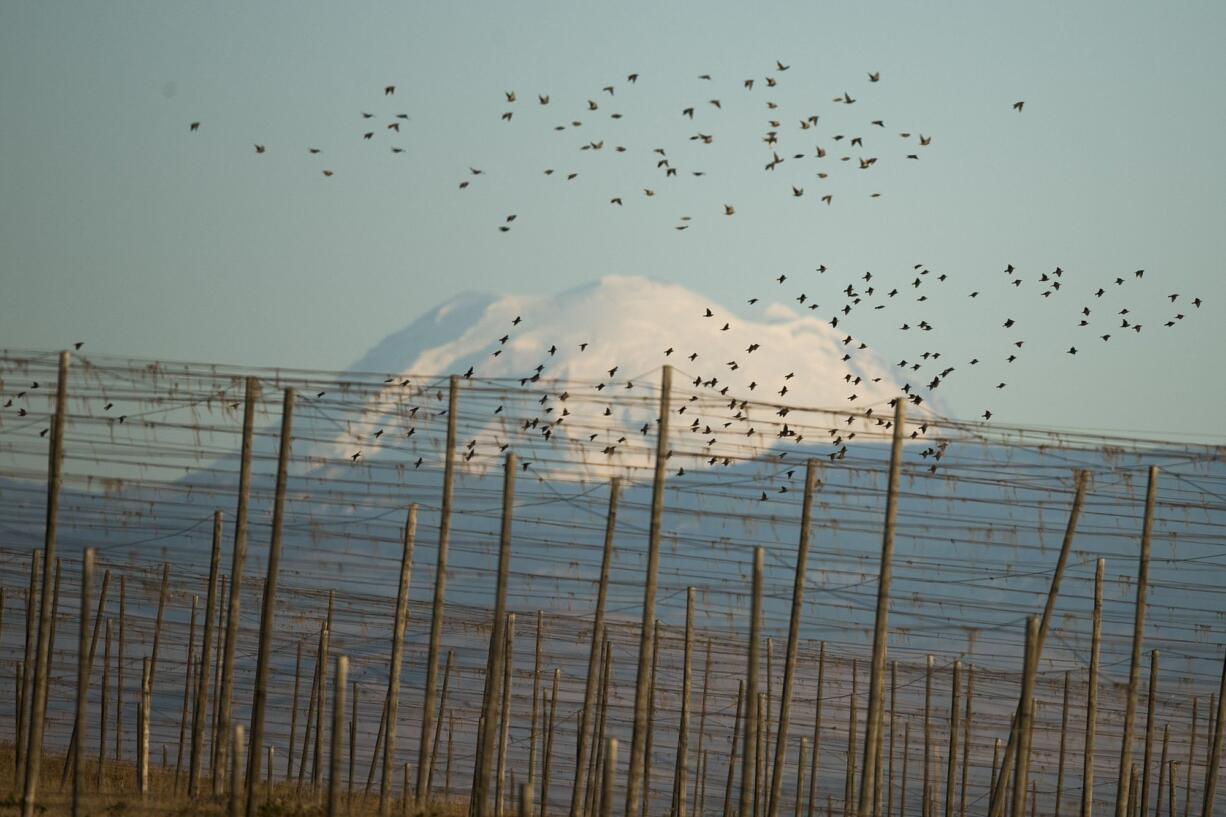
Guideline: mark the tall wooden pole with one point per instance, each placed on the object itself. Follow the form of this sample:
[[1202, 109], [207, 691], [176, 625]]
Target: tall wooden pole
[[1138, 636], [159, 619], [700, 779], [817, 728], [593, 658], [1000, 796], [83, 668], [648, 755], [259, 699], [952, 769], [293, 712], [27, 673], [536, 684], [102, 709], [1063, 739], [925, 799], [42, 658], [353, 744], [1021, 773], [849, 783], [236, 771], [1087, 765], [889, 798], [238, 557], [119, 669], [96, 630], [966, 739], [392, 702], [1148, 755], [202, 680], [800, 776], [1187, 785], [188, 678], [1214, 760], [750, 749], [682, 770], [1166, 736], [339, 681], [789, 663], [504, 729], [736, 734], [425, 760], [638, 741], [872, 721], [442, 707], [143, 714], [610, 778], [493, 667], [547, 758]]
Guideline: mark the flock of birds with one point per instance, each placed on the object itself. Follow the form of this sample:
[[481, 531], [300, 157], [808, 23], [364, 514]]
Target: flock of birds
[[1102, 308]]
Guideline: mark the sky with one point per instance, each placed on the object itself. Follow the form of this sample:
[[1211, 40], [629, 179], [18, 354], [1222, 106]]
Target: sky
[[121, 228]]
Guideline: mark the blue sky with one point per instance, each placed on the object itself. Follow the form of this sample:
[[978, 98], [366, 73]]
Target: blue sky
[[119, 227]]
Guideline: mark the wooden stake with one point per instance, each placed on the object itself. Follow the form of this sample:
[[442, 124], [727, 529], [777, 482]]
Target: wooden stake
[[952, 770], [1161, 771], [789, 662], [1187, 791], [216, 738], [759, 779], [293, 712], [42, 657], [93, 651], [872, 719], [593, 659], [906, 755], [339, 682], [817, 728], [320, 710], [700, 779], [547, 760], [924, 788], [391, 704], [493, 667], [536, 684], [966, 739], [1138, 635], [236, 771], [1215, 750], [736, 734], [312, 705], [889, 799], [1087, 764], [259, 698], [849, 785], [638, 744], [196, 755], [425, 760], [187, 691], [353, 745], [238, 557], [83, 671], [591, 806], [27, 673], [1063, 738], [119, 671], [142, 730], [750, 750], [682, 769], [800, 776], [610, 777], [1148, 756], [102, 714], [648, 754], [442, 706], [1021, 773], [508, 664]]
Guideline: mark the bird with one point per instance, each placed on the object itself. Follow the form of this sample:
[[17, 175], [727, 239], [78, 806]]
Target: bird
[[389, 90], [1017, 106], [193, 127], [874, 76], [259, 148], [729, 209]]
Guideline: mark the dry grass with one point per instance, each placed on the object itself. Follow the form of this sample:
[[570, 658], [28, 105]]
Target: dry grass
[[118, 796]]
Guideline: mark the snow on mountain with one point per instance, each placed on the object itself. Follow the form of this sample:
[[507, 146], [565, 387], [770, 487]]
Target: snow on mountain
[[627, 323]]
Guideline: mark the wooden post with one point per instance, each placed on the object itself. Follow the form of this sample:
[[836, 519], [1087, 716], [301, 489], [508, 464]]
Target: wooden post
[[236, 772], [187, 691], [119, 670], [238, 557], [339, 681], [163, 595], [259, 698], [1166, 734], [591, 806], [442, 706], [27, 673], [610, 778], [682, 770], [536, 684], [202, 667], [1148, 755], [966, 739], [353, 745], [547, 760], [700, 779], [750, 750], [593, 659], [736, 734], [1063, 738], [906, 756], [648, 755], [759, 775], [800, 776], [450, 744], [142, 731], [849, 784], [1021, 773], [425, 760], [951, 774], [55, 618], [493, 667], [817, 728], [925, 800], [391, 705], [889, 798], [268, 773], [102, 713], [320, 709], [93, 651], [638, 742], [764, 724], [504, 729], [83, 670], [216, 739], [872, 720], [789, 662], [1000, 797], [42, 657], [312, 714], [293, 712], [1214, 759], [1087, 765], [1138, 635], [1187, 790]]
